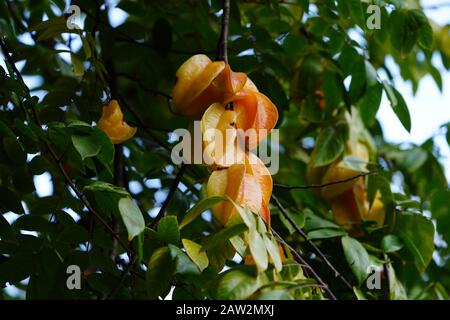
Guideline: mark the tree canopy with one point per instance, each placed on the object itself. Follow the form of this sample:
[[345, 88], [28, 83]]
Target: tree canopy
[[87, 99]]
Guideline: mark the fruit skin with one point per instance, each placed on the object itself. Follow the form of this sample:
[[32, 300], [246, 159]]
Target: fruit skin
[[248, 260], [349, 206], [248, 184], [257, 114], [112, 123], [219, 135], [352, 207], [201, 82], [348, 200], [337, 173], [377, 212]]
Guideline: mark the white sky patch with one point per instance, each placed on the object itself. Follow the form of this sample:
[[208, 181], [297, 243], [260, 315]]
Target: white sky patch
[[135, 187], [43, 184], [10, 217], [153, 183], [117, 16], [154, 211], [29, 233], [75, 216], [161, 195]]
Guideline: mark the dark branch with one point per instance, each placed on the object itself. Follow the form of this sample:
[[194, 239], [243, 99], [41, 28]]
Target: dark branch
[[319, 186], [173, 188], [312, 244], [142, 85], [222, 44], [116, 289], [303, 263]]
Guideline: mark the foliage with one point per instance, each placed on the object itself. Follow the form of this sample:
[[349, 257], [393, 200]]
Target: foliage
[[101, 212]]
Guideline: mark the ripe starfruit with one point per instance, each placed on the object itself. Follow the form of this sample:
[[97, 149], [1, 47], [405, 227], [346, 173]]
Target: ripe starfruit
[[112, 123], [248, 184], [201, 82]]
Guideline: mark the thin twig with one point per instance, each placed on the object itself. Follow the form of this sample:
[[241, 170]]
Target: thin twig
[[303, 262], [312, 244], [171, 193], [116, 289], [142, 85], [119, 182], [222, 44], [319, 186]]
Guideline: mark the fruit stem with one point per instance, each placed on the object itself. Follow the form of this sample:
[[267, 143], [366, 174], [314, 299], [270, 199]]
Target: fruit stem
[[223, 39]]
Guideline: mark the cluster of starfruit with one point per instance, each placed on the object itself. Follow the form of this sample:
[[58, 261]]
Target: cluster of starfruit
[[347, 196], [235, 118]]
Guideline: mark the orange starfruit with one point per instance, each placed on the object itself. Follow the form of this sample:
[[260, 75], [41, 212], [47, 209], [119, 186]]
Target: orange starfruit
[[112, 123]]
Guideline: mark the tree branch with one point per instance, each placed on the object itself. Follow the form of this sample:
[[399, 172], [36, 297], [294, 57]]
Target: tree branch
[[319, 186], [303, 263], [116, 289], [222, 44], [171, 193], [141, 85], [312, 244]]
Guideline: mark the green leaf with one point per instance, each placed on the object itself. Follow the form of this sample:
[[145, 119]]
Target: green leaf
[[356, 12], [223, 235], [91, 141], [278, 294], [440, 209], [168, 230], [357, 258], [274, 252], [132, 217], [247, 216], [258, 249], [86, 48], [6, 131], [404, 31], [329, 146], [391, 243], [426, 35], [399, 106], [86, 146], [396, 289], [14, 150], [326, 233], [371, 74], [183, 265], [194, 251], [359, 294], [417, 233], [199, 208], [101, 186], [304, 4], [369, 104], [159, 274], [448, 133], [315, 222], [10, 201], [6, 232], [78, 67], [236, 285]]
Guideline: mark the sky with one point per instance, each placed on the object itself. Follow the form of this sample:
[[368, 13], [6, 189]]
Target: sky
[[429, 108]]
